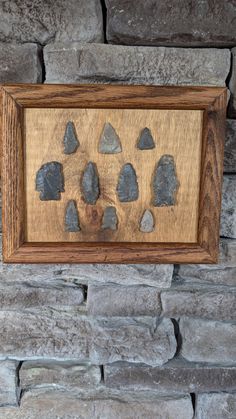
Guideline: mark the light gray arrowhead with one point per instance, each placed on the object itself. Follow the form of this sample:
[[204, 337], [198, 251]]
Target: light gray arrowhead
[[145, 141], [109, 220], [147, 222], [50, 181], [90, 184], [127, 188], [165, 182], [72, 217], [109, 142], [70, 140]]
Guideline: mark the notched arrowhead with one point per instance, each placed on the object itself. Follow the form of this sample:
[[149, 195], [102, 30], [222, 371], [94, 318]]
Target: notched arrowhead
[[72, 217], [50, 181], [109, 142], [145, 141], [70, 140], [109, 220], [147, 222], [165, 182], [127, 187], [90, 184]]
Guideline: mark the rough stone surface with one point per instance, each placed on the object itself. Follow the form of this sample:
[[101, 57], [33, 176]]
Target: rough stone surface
[[9, 391], [145, 141], [228, 212], [87, 63], [223, 273], [42, 21], [50, 181], [72, 217], [147, 222], [60, 405], [127, 187], [20, 63], [232, 86], [112, 300], [165, 182], [208, 341], [109, 220], [202, 302], [177, 376], [166, 23], [230, 147], [90, 184], [216, 406], [66, 335], [58, 374], [109, 142], [70, 140]]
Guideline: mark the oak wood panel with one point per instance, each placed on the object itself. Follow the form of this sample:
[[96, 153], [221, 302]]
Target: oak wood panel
[[175, 132]]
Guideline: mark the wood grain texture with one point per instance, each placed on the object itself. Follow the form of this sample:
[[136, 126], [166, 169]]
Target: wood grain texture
[[17, 97], [176, 132]]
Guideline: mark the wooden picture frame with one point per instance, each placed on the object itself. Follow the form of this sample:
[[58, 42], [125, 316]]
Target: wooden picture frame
[[17, 98]]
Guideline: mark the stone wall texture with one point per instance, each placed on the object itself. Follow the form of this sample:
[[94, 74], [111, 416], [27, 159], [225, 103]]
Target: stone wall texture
[[122, 341]]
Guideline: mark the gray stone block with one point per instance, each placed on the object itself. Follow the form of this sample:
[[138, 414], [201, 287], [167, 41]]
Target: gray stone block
[[113, 300], [223, 273], [228, 212], [93, 63], [66, 335], [61, 405], [216, 406], [230, 147], [9, 391], [198, 301], [20, 63], [157, 22], [66, 375], [232, 86], [177, 376], [46, 21], [208, 341]]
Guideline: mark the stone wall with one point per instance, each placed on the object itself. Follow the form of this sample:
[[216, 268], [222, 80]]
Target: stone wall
[[110, 341]]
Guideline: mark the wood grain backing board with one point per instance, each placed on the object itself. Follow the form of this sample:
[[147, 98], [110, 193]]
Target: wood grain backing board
[[16, 100], [177, 133]]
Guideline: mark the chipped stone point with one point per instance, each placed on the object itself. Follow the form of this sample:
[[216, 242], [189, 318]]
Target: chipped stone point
[[109, 220], [90, 184], [165, 183], [70, 140], [50, 181], [72, 217], [145, 141], [127, 188], [109, 141], [147, 222]]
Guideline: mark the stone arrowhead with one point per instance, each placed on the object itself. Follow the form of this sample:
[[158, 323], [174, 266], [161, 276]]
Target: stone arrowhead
[[90, 184], [50, 181], [127, 188], [109, 141], [147, 222], [145, 141], [165, 183], [109, 220], [70, 140], [72, 217]]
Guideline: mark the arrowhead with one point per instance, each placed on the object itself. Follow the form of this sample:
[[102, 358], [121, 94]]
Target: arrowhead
[[109, 141]]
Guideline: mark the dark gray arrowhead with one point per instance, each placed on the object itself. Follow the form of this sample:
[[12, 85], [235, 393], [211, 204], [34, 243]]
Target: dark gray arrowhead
[[70, 140], [165, 182], [50, 181], [72, 217], [145, 141], [109, 220], [127, 188], [147, 222], [90, 184], [109, 141]]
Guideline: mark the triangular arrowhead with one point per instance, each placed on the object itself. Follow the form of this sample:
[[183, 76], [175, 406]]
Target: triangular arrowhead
[[109, 142], [145, 141], [70, 141]]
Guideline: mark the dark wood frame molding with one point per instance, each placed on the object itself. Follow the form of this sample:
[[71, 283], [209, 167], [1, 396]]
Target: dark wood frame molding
[[212, 100]]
